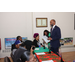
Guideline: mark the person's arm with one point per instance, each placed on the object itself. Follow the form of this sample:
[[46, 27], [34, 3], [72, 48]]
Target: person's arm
[[58, 35], [34, 59], [43, 43]]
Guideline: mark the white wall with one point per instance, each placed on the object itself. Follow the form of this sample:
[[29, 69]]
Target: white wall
[[13, 24], [65, 20], [40, 30], [24, 24]]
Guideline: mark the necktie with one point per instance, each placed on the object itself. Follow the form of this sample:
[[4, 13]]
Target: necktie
[[51, 30]]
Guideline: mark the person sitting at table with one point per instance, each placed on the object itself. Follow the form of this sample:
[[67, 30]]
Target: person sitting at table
[[26, 57], [36, 41], [47, 33], [25, 46], [15, 46], [19, 40]]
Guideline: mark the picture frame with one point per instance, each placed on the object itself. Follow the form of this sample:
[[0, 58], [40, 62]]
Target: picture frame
[[67, 41], [10, 41], [41, 22]]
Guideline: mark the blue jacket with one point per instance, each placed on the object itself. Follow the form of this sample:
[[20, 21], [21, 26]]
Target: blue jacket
[[55, 35]]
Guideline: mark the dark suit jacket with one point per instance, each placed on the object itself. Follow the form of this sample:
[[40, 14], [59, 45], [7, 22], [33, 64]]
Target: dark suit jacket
[[55, 35]]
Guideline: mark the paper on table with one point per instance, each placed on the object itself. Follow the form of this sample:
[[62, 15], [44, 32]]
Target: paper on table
[[36, 48], [48, 61], [42, 53], [45, 39]]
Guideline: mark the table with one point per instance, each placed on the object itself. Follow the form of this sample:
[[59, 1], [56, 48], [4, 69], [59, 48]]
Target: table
[[48, 56], [41, 49]]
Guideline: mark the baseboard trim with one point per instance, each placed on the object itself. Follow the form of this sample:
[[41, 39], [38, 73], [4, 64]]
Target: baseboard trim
[[69, 49]]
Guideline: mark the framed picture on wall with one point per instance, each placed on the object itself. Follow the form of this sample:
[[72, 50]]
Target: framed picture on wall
[[66, 41], [41, 22], [10, 41], [24, 39]]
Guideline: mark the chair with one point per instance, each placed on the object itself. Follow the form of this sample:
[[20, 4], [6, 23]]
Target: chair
[[11, 55], [6, 59], [12, 47]]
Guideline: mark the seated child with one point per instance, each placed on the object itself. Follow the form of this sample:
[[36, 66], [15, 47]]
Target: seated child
[[26, 57], [17, 44], [18, 40], [36, 41], [25, 46], [47, 33]]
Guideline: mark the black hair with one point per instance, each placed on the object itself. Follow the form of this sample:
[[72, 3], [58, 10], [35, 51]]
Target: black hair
[[27, 44], [17, 38], [47, 32], [25, 56]]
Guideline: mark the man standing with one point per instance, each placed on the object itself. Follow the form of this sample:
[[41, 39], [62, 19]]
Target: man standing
[[55, 37]]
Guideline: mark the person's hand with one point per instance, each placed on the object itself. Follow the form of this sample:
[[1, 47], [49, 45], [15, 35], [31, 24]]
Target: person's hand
[[49, 38], [32, 58], [35, 60], [44, 42], [32, 49], [41, 45]]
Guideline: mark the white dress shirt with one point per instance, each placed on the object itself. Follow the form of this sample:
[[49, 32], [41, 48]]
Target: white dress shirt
[[53, 27]]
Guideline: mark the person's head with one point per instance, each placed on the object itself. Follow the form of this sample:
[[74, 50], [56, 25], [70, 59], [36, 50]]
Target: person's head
[[27, 57], [52, 22], [27, 44], [17, 44], [19, 38], [36, 36], [46, 32]]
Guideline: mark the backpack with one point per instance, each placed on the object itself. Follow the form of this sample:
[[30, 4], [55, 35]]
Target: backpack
[[13, 47]]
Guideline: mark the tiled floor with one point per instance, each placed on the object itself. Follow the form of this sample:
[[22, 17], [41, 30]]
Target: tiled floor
[[68, 56]]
